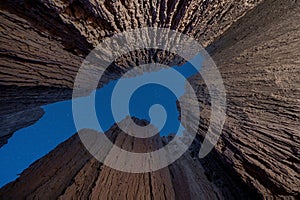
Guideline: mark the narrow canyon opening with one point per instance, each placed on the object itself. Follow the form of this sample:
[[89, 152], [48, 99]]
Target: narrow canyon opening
[[256, 47]]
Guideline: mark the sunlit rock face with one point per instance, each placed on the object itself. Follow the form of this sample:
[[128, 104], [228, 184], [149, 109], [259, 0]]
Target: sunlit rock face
[[255, 46]]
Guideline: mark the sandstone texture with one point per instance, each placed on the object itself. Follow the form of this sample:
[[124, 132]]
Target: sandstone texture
[[70, 172], [43, 43], [259, 60], [256, 46]]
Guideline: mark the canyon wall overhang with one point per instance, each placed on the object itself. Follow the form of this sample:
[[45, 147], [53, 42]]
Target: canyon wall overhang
[[256, 50], [43, 43]]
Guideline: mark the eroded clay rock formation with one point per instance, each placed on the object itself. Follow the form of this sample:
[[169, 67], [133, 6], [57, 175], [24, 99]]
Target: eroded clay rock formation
[[258, 57], [43, 43], [259, 60], [69, 171]]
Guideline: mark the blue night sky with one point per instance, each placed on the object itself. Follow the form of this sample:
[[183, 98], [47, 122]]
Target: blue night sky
[[31, 143]]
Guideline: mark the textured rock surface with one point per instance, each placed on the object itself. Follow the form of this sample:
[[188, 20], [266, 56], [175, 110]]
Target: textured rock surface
[[19, 106], [44, 42], [16, 120], [259, 59], [69, 172]]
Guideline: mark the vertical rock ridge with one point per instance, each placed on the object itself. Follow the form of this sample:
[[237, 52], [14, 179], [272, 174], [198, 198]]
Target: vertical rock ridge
[[258, 58], [44, 42], [69, 171], [52, 43]]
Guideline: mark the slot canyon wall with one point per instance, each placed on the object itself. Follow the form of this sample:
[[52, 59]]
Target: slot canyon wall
[[70, 172], [256, 46], [259, 59], [43, 43]]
